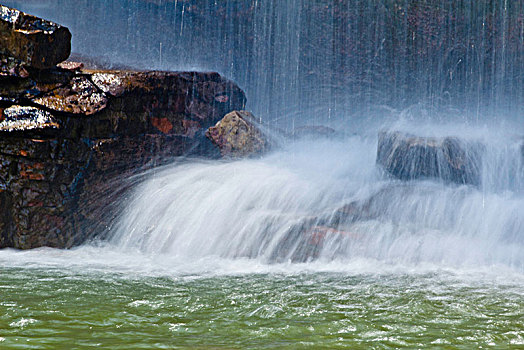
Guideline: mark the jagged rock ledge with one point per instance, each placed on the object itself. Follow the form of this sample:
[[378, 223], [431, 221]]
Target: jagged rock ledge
[[65, 136], [70, 137]]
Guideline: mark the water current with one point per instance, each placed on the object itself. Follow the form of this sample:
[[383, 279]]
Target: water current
[[196, 258], [245, 254]]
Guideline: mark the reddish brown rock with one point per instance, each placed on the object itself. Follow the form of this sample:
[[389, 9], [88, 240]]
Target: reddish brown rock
[[162, 124], [31, 41], [238, 135]]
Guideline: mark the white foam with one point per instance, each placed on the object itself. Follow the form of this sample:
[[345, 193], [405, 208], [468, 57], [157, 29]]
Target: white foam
[[204, 218]]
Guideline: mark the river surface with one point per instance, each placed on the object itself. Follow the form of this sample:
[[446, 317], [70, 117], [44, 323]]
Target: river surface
[[195, 259], [93, 296]]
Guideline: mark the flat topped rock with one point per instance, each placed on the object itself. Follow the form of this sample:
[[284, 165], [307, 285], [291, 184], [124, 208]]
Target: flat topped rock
[[30, 41]]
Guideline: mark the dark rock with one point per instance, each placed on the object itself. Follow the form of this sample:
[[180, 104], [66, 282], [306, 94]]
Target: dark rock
[[409, 157], [238, 135], [147, 102], [178, 103], [63, 164], [30, 41]]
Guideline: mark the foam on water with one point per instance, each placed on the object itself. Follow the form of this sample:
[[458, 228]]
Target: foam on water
[[255, 216]]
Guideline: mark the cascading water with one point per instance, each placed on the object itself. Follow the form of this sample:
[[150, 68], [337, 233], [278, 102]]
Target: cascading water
[[334, 62], [314, 244], [286, 206], [438, 68]]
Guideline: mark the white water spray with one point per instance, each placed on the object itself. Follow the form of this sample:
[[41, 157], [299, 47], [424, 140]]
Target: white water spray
[[286, 207]]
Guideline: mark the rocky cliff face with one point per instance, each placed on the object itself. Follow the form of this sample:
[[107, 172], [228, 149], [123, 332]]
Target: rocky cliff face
[[69, 137]]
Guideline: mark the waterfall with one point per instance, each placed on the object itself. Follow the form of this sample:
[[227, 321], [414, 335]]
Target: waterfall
[[443, 67], [325, 61], [287, 205]]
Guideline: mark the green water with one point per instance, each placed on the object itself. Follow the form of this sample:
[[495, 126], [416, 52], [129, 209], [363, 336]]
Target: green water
[[50, 307]]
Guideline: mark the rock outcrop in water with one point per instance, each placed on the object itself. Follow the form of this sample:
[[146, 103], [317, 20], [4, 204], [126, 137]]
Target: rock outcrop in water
[[70, 136], [238, 134], [409, 157]]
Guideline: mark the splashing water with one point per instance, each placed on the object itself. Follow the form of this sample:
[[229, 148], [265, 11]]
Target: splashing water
[[287, 206], [319, 60], [313, 245], [343, 63]]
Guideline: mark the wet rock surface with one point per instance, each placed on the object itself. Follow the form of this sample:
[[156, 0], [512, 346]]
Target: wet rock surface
[[63, 153], [409, 157], [79, 96], [30, 41], [26, 119], [71, 137], [238, 134]]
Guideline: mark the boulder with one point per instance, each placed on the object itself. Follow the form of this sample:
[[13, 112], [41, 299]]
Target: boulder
[[238, 134], [29, 41], [409, 157]]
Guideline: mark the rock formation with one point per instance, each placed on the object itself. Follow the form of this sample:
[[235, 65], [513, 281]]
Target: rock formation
[[238, 134], [29, 41], [409, 157], [70, 137]]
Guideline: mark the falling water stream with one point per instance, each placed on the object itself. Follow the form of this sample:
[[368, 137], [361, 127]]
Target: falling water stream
[[252, 253]]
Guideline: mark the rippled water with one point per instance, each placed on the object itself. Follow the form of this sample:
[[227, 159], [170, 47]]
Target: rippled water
[[72, 300]]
